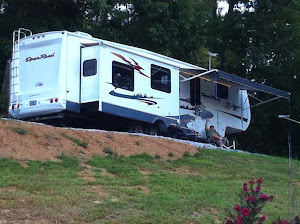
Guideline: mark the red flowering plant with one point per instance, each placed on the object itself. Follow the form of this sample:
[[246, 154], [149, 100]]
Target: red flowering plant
[[252, 202], [296, 220]]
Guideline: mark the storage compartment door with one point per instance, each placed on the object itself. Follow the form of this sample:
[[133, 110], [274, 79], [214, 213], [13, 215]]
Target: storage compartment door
[[89, 77]]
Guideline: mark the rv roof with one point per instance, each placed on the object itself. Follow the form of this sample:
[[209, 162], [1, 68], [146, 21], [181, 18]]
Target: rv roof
[[134, 50]]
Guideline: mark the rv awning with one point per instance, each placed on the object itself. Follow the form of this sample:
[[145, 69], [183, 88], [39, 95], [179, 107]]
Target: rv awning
[[218, 76]]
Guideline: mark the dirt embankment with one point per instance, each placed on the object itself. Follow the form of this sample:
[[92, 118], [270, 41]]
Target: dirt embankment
[[29, 141]]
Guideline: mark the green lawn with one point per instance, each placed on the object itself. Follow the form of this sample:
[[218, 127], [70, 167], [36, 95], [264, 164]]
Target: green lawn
[[142, 189]]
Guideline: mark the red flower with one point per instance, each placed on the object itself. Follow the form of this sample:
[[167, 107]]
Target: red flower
[[265, 197], [245, 187], [261, 220], [239, 220], [258, 188], [259, 181], [246, 212], [237, 208], [251, 181], [250, 198]]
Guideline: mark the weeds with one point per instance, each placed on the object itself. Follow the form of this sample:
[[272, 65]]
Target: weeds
[[144, 156], [171, 154], [110, 136], [49, 137], [187, 154], [69, 162], [109, 151], [21, 131], [78, 142], [157, 156]]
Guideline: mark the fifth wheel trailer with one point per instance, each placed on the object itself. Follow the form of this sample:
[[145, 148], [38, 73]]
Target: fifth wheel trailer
[[60, 73]]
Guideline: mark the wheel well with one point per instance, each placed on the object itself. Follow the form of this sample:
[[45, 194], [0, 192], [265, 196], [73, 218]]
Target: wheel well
[[162, 127]]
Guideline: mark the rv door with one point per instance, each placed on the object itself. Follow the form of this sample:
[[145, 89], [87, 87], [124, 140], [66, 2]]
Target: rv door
[[89, 77]]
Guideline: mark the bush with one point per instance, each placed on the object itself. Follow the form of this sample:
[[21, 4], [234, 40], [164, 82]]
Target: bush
[[295, 221], [252, 201]]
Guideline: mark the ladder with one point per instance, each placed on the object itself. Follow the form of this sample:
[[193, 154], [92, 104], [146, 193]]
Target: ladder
[[15, 61]]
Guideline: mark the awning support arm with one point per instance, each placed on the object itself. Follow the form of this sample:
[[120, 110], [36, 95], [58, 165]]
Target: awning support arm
[[263, 102], [254, 97], [199, 75]]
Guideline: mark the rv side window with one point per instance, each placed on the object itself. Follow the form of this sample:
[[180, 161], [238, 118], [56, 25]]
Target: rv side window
[[160, 78], [222, 91], [122, 76], [90, 67]]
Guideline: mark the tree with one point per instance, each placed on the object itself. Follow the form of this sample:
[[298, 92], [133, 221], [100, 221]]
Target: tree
[[38, 16], [173, 28], [260, 40]]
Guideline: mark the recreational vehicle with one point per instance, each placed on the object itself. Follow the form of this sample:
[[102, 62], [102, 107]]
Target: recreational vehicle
[[60, 74]]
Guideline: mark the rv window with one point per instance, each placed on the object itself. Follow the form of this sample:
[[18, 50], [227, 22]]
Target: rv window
[[122, 76], [160, 78], [195, 91], [222, 91], [90, 67]]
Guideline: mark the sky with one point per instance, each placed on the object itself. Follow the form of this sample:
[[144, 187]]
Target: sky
[[223, 7]]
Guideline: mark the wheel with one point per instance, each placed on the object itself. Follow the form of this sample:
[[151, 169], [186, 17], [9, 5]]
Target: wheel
[[136, 128], [152, 130]]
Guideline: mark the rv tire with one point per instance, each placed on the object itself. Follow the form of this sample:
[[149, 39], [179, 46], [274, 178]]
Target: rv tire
[[152, 130], [137, 127]]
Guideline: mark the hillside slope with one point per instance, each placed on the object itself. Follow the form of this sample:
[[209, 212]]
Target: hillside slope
[[30, 141], [59, 178]]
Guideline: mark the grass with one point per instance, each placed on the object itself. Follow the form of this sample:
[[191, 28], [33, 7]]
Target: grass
[[199, 188], [171, 154], [77, 141], [110, 136], [109, 151], [21, 131]]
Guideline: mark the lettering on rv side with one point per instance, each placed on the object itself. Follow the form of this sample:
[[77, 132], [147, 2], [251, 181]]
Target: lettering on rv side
[[42, 56]]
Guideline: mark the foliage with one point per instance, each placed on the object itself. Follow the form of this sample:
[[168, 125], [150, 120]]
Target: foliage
[[3, 104], [171, 154], [109, 151], [77, 141], [260, 41], [296, 220], [252, 202], [21, 131], [187, 154]]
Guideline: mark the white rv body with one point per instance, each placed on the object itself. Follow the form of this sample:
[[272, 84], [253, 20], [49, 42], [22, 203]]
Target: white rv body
[[62, 71]]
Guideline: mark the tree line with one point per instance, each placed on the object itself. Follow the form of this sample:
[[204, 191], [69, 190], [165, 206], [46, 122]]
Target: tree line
[[254, 39]]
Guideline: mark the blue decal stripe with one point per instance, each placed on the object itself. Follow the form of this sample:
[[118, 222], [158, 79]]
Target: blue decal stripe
[[141, 98]]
